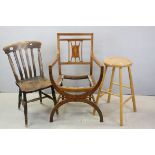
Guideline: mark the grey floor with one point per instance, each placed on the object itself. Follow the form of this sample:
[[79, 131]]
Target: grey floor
[[76, 115]]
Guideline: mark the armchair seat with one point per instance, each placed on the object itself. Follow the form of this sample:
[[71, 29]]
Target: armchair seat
[[34, 84], [89, 77]]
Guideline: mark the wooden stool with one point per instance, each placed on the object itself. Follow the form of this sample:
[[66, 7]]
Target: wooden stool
[[117, 62]]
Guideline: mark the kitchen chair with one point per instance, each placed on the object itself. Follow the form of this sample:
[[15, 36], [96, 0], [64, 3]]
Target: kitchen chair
[[23, 56]]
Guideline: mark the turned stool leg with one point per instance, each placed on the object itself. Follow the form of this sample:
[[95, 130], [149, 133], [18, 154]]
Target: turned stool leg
[[132, 90], [111, 84], [100, 88], [121, 96]]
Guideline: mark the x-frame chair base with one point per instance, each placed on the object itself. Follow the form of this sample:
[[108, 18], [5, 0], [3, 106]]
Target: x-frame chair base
[[65, 101]]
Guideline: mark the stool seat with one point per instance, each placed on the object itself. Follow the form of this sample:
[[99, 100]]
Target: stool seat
[[117, 62]]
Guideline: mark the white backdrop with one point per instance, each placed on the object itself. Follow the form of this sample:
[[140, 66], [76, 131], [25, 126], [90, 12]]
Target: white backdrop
[[136, 43]]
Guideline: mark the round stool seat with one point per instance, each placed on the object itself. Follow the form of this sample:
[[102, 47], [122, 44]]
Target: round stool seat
[[117, 62]]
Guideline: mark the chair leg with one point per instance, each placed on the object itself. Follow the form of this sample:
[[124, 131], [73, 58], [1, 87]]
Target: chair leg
[[100, 88], [19, 99], [132, 90], [25, 109], [40, 96], [90, 95], [121, 96], [111, 84], [54, 98]]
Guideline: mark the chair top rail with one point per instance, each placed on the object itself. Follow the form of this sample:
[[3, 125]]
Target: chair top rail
[[74, 34], [75, 39], [19, 45]]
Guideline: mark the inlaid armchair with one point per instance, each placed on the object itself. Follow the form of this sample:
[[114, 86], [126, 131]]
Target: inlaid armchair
[[74, 43], [26, 58]]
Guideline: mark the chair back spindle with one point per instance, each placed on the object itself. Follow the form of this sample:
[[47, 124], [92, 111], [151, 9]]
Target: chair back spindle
[[40, 63], [28, 63]]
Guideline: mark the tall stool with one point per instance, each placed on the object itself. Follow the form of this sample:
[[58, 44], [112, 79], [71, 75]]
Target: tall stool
[[117, 62]]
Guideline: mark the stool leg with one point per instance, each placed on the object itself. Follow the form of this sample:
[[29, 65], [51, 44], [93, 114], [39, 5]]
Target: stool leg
[[132, 90], [100, 88], [121, 96], [111, 84]]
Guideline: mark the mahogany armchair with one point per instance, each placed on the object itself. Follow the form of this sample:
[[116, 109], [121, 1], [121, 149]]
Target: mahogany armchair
[[23, 56], [75, 42]]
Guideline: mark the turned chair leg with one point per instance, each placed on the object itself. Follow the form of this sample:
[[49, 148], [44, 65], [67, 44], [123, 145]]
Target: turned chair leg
[[25, 109], [111, 84], [121, 96], [90, 96], [100, 89], [19, 99], [132, 90], [40, 96]]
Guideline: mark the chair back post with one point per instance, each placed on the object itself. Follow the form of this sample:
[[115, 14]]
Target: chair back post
[[91, 55], [58, 52]]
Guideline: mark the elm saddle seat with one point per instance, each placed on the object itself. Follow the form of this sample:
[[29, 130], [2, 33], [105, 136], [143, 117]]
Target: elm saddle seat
[[30, 76], [34, 84], [77, 44]]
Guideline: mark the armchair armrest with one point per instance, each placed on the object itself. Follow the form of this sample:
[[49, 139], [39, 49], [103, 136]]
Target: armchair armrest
[[96, 61], [53, 63]]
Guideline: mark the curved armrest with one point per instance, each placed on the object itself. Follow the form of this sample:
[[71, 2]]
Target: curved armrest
[[54, 62], [96, 61], [64, 90]]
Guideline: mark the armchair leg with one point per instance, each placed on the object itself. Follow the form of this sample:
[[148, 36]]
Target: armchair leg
[[25, 109], [54, 98], [100, 88], [19, 99]]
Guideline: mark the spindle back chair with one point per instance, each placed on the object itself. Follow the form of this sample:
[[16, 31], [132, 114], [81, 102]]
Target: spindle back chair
[[28, 75], [75, 42]]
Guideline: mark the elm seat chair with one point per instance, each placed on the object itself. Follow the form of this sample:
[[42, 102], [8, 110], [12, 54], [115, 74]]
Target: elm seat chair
[[74, 48], [23, 57]]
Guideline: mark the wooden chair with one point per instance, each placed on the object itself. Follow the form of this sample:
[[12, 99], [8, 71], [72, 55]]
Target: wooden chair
[[117, 63], [22, 57], [75, 53]]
